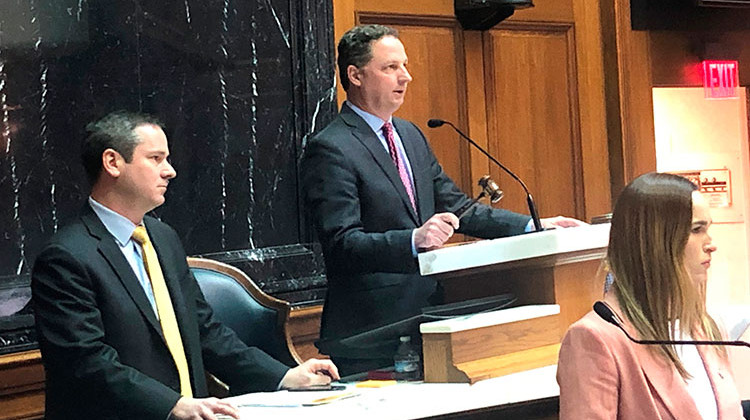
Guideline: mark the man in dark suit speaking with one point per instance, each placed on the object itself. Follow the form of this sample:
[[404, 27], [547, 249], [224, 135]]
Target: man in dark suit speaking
[[378, 195], [124, 330]]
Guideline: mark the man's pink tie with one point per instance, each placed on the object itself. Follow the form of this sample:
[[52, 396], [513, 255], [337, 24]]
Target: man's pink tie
[[400, 164]]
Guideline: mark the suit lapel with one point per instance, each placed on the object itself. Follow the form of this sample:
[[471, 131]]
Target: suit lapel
[[666, 383], [362, 132], [111, 252]]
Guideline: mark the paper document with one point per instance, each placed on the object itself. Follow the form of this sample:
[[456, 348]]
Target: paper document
[[290, 399]]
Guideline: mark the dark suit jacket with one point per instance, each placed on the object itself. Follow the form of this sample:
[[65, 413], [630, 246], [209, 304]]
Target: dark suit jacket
[[365, 222], [102, 346]]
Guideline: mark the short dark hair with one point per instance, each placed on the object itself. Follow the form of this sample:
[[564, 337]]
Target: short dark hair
[[355, 47], [114, 131]]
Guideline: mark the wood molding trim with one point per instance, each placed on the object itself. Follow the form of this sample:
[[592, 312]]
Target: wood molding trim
[[21, 386], [400, 19], [535, 26], [416, 7], [574, 111], [628, 83], [476, 104], [592, 103], [343, 20]]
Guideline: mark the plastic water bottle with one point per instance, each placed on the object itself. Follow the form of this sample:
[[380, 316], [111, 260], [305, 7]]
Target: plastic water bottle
[[406, 361]]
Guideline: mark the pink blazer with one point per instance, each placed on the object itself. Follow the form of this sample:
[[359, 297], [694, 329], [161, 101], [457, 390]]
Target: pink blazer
[[603, 375]]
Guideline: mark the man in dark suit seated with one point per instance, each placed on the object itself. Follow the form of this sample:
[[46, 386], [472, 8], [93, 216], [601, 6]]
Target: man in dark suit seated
[[124, 330], [378, 196]]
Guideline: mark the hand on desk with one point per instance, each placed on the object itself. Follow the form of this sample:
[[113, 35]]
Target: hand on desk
[[311, 372], [202, 408], [435, 231], [561, 222]]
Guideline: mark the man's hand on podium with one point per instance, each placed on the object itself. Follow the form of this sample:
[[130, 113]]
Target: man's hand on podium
[[435, 231], [561, 222]]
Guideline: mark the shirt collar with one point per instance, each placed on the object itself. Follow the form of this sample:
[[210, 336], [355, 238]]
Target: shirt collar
[[375, 123], [118, 225]]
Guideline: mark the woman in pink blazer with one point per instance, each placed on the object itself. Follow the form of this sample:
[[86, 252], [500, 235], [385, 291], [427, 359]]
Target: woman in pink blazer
[[659, 253]]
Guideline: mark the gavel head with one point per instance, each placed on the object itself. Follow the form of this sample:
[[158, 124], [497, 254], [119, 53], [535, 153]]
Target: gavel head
[[490, 189]]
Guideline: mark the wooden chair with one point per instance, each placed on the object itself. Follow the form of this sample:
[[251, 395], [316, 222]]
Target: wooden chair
[[260, 320]]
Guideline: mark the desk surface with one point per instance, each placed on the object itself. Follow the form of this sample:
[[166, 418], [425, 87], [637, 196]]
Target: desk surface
[[514, 248], [406, 400]]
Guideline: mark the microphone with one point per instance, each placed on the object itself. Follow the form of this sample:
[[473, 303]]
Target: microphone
[[605, 312], [434, 123]]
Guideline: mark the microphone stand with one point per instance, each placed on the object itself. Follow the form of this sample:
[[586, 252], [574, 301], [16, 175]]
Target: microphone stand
[[606, 313], [433, 123]]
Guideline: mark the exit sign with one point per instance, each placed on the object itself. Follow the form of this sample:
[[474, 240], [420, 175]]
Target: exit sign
[[720, 79]]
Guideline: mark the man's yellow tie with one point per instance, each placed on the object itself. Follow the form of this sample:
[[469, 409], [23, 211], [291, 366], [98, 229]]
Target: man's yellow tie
[[164, 308]]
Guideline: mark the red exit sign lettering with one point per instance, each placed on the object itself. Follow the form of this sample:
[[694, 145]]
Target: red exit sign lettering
[[720, 79]]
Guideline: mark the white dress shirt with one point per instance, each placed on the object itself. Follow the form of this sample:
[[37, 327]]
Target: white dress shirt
[[122, 230]]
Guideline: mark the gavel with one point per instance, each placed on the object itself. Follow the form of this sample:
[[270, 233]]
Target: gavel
[[489, 189]]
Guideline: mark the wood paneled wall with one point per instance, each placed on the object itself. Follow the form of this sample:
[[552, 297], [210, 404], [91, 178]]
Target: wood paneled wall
[[532, 114], [518, 89], [629, 104]]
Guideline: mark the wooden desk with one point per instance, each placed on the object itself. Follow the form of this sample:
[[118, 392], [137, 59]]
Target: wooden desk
[[21, 386], [526, 395], [22, 374], [559, 266], [530, 394]]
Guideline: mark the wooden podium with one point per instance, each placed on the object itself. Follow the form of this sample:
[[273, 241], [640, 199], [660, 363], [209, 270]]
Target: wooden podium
[[486, 345], [560, 267]]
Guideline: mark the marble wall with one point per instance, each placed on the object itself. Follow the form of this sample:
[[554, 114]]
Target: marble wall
[[239, 84]]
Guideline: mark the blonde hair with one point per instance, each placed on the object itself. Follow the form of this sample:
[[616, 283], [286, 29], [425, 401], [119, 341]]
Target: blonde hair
[[651, 225]]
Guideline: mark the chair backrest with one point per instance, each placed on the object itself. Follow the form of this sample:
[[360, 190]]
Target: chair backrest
[[257, 318]]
